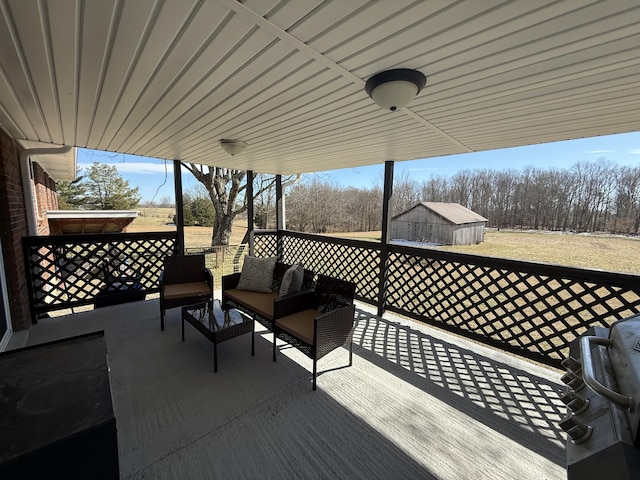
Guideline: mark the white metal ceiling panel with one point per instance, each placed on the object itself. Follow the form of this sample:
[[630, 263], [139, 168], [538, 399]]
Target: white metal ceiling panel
[[170, 78]]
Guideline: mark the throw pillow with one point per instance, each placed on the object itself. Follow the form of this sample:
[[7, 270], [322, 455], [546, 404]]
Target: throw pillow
[[296, 282], [278, 273], [291, 280], [330, 294], [257, 274]]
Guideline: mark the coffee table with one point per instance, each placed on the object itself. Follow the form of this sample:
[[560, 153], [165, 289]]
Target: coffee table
[[217, 324]]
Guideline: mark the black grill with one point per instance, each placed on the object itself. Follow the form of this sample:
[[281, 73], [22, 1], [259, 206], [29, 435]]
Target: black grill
[[603, 403]]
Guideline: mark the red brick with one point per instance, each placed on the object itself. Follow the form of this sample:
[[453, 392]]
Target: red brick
[[13, 224]]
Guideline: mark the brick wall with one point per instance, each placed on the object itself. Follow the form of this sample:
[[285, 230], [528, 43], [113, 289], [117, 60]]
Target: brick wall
[[45, 198], [13, 226], [13, 223]]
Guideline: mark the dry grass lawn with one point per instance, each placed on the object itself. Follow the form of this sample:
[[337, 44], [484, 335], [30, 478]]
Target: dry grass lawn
[[604, 252], [610, 253], [160, 220]]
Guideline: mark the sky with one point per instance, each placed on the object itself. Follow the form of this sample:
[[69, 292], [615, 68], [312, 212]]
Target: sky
[[154, 178]]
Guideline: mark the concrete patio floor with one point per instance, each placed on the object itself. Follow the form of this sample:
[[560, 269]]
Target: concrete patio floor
[[418, 403]]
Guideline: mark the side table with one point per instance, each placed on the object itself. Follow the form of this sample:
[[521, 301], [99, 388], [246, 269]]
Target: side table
[[217, 324]]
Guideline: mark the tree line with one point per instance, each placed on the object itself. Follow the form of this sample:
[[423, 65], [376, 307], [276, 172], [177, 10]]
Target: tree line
[[596, 196], [588, 197]]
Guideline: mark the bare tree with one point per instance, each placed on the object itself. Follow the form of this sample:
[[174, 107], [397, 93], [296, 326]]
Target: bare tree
[[627, 202], [436, 189], [406, 193], [461, 188], [502, 197], [226, 189], [315, 205], [362, 210]]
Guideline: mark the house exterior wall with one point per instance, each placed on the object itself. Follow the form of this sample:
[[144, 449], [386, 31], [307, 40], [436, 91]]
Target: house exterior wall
[[45, 198], [13, 226], [423, 225], [13, 223]]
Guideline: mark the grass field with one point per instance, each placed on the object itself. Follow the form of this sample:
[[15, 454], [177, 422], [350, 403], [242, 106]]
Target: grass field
[[160, 220], [610, 253]]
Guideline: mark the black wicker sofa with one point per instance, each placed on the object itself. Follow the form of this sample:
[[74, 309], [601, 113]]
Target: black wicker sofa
[[263, 305], [316, 319]]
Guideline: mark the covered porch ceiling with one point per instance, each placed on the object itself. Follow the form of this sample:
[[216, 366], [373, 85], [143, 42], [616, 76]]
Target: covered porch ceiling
[[169, 79]]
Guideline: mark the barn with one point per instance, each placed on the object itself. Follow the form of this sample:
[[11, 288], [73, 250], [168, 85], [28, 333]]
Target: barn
[[439, 222]]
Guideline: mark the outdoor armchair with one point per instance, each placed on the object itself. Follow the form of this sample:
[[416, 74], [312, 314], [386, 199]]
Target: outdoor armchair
[[184, 280], [318, 321]]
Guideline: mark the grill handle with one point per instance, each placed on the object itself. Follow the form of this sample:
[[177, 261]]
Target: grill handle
[[588, 372]]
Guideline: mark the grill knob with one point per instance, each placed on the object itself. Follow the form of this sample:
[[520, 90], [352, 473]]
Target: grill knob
[[568, 396], [577, 432], [571, 364], [576, 404], [573, 381]]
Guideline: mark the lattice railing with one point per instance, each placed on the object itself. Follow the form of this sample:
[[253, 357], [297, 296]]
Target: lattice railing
[[531, 309], [351, 260], [521, 306], [66, 271], [265, 243]]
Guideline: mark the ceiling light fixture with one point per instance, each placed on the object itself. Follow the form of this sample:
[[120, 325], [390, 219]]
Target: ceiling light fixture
[[394, 89], [232, 146]]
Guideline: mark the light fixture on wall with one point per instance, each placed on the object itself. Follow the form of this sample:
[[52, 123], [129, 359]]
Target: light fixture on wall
[[232, 146], [394, 89]]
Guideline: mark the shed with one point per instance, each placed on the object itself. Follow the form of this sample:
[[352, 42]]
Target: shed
[[64, 222], [439, 222]]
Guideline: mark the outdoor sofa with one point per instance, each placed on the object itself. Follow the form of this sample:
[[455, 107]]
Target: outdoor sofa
[[316, 319]]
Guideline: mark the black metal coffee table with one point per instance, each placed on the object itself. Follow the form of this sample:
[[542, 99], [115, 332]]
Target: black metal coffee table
[[217, 324]]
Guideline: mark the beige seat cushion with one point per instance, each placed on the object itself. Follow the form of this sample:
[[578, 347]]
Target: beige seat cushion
[[300, 324], [183, 290], [260, 303]]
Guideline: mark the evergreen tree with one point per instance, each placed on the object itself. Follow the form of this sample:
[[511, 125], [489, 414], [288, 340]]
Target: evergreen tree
[[71, 195], [197, 209], [107, 190]]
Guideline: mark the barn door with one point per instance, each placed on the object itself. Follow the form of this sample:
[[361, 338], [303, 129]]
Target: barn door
[[415, 231]]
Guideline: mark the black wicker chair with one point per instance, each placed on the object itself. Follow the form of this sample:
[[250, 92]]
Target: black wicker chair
[[184, 280], [320, 321]]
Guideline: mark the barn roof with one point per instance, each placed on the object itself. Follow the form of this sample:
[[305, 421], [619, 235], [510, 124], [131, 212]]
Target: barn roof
[[452, 212]]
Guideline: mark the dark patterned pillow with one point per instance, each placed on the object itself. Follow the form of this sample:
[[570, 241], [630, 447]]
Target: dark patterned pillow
[[332, 302], [278, 273], [307, 279], [291, 280], [332, 294]]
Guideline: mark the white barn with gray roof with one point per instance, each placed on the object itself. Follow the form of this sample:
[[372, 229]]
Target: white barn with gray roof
[[439, 222]]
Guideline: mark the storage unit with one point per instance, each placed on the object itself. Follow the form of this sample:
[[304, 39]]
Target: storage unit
[[439, 222], [56, 412]]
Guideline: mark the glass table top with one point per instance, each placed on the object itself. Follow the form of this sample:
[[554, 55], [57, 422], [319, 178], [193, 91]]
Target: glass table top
[[211, 315]]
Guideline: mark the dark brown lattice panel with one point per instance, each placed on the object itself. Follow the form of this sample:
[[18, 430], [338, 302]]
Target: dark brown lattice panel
[[538, 309], [354, 261], [265, 244], [70, 270]]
